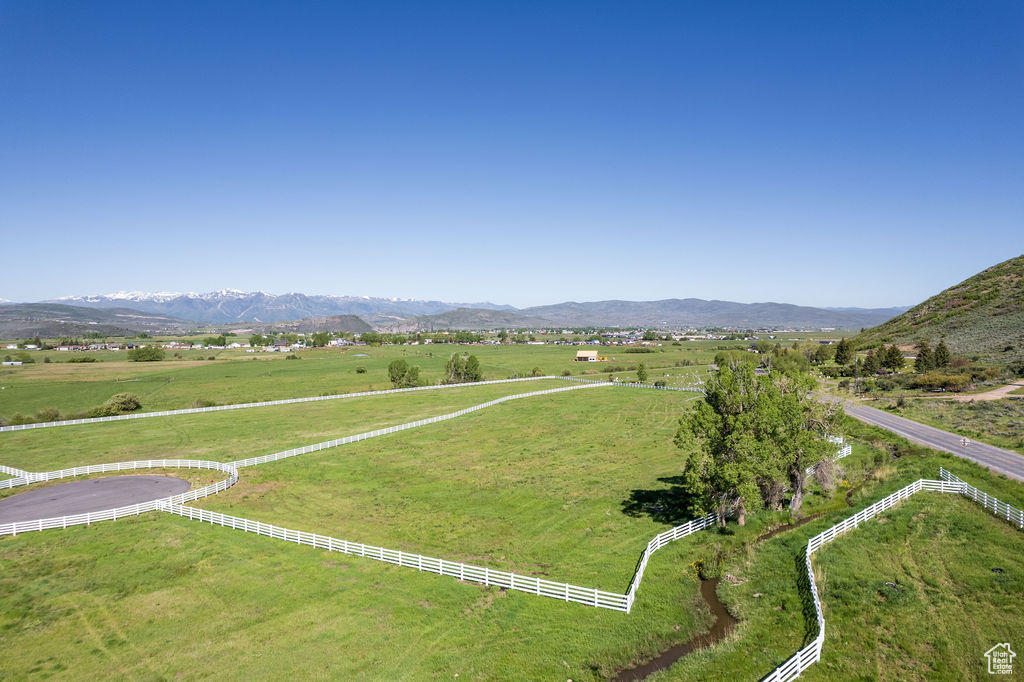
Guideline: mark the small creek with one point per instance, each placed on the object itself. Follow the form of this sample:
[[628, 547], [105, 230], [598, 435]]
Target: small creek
[[723, 625]]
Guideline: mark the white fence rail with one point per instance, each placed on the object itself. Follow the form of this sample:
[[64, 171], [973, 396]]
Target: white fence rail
[[1000, 509], [251, 461], [811, 653], [464, 572], [120, 512], [844, 451], [289, 401], [659, 541], [266, 403]]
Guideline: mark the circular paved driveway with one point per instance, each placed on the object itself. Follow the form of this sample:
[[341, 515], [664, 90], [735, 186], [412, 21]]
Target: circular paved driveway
[[94, 494]]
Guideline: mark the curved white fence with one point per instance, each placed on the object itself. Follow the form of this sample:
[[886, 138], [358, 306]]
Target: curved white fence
[[339, 396], [119, 512], [266, 403], [251, 461]]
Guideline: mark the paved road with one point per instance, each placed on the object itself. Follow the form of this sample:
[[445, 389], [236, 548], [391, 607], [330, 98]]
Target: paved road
[[94, 494], [997, 459]]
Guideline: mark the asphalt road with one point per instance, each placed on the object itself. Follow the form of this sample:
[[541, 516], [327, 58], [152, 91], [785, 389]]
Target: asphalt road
[[94, 494], [997, 459]]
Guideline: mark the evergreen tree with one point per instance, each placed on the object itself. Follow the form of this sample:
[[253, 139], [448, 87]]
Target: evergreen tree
[[925, 360], [871, 362], [941, 357], [843, 353], [893, 358], [641, 373]]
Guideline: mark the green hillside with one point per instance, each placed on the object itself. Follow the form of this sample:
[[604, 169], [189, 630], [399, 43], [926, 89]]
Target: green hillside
[[982, 316]]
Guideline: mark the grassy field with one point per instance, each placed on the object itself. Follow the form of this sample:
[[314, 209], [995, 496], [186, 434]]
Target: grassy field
[[569, 486], [999, 422], [237, 377], [238, 434]]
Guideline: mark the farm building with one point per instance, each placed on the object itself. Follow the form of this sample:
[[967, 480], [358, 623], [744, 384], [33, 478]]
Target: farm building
[[586, 356]]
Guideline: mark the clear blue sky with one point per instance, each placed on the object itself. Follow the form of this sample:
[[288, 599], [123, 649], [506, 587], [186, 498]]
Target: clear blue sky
[[819, 153]]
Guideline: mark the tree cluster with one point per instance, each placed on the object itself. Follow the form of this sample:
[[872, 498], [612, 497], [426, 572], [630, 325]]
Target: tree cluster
[[929, 360], [752, 437], [146, 354], [402, 375], [462, 369]]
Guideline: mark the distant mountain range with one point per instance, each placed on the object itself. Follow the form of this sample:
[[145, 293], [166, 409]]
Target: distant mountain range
[[232, 305], [231, 308]]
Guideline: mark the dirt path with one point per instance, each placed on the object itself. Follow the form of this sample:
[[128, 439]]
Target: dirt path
[[994, 394]]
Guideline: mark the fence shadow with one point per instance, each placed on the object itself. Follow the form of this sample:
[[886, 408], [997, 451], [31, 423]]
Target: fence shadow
[[671, 505], [803, 586]]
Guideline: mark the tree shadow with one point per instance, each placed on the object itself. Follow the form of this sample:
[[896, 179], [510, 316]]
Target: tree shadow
[[671, 505]]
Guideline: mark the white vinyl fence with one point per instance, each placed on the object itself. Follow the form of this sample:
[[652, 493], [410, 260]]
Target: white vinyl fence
[[289, 401], [119, 512], [811, 653], [465, 572], [267, 403], [251, 461], [1000, 509], [659, 541]]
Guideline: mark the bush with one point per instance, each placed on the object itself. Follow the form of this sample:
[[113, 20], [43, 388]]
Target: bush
[[146, 354], [203, 403], [47, 360], [121, 403], [82, 358], [290, 356], [48, 414], [536, 372], [566, 373], [661, 383], [360, 370]]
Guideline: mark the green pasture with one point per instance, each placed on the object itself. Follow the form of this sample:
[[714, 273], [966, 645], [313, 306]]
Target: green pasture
[[568, 486], [238, 377], [239, 434]]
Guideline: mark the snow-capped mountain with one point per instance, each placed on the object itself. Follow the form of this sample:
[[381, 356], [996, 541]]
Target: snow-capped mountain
[[233, 305]]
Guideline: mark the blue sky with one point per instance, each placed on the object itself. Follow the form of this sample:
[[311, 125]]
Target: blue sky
[[842, 154]]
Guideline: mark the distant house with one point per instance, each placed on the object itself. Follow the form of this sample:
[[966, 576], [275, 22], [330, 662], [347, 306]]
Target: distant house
[[586, 356]]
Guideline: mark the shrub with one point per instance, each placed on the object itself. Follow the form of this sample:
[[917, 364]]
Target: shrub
[[201, 402], [661, 383], [48, 414], [82, 358], [146, 354], [47, 360], [360, 370], [290, 356], [566, 373], [121, 403], [536, 372]]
